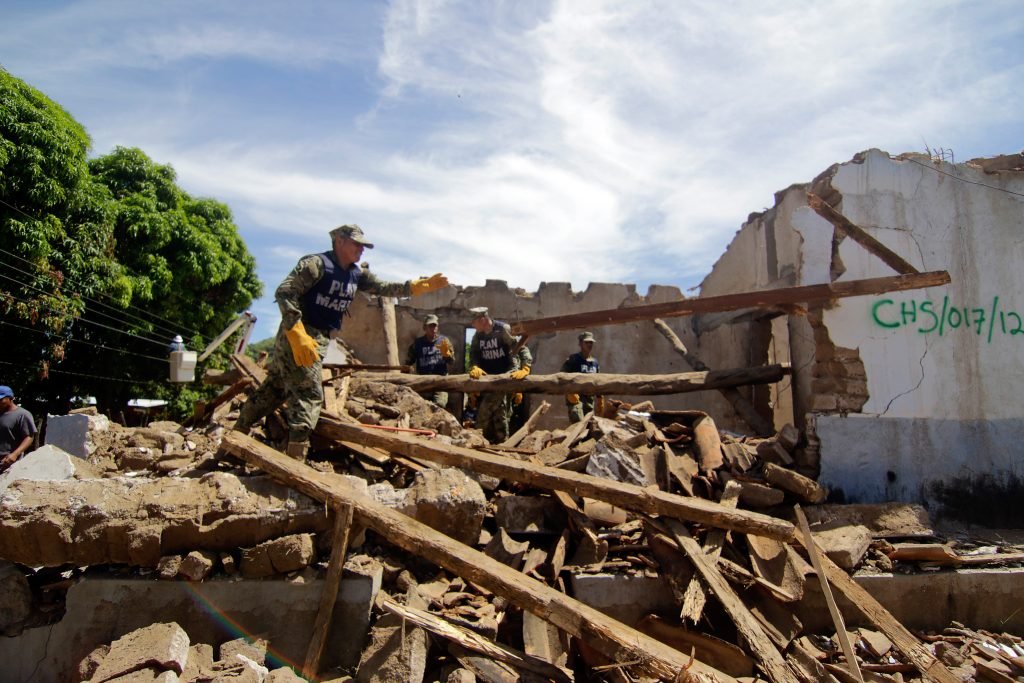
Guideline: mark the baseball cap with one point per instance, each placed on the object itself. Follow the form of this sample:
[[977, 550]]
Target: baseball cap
[[430, 320], [352, 232], [586, 336], [5, 392], [479, 312]]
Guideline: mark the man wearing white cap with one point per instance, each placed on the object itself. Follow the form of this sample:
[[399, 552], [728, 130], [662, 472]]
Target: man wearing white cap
[[313, 300], [491, 353], [432, 354], [17, 429]]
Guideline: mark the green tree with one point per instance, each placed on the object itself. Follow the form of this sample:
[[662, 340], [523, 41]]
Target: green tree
[[104, 261]]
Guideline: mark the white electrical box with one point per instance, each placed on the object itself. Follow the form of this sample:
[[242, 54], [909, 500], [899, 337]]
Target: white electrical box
[[183, 366]]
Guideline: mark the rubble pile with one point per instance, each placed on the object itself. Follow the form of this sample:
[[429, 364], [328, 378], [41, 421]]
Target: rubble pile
[[721, 583]]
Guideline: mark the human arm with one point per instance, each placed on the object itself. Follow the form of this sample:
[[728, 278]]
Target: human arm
[[306, 273], [369, 283], [521, 363]]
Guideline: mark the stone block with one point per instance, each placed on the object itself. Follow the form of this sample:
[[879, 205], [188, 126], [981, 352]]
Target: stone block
[[164, 645], [450, 502], [625, 597], [529, 513], [284, 675], [69, 433], [255, 650], [200, 661], [197, 565], [147, 675], [15, 599], [397, 651], [48, 463], [844, 545]]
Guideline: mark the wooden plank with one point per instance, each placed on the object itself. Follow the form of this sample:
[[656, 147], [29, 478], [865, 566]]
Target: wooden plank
[[513, 441], [474, 641], [612, 638], [747, 625], [846, 227], [693, 601], [588, 383], [833, 609], [729, 302], [627, 496], [335, 567], [904, 640], [330, 398], [387, 308]]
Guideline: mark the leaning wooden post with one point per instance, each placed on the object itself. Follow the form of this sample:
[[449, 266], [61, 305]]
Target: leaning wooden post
[[837, 618], [387, 306], [335, 567]]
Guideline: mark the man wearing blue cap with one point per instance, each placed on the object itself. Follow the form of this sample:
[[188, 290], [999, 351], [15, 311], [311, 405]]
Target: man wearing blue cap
[[17, 429]]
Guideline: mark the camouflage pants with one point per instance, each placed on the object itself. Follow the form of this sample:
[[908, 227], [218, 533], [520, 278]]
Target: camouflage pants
[[580, 408], [492, 415], [301, 387]]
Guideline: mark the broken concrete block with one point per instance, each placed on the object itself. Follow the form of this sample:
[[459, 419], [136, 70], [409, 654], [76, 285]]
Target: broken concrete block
[[162, 645], [844, 545], [255, 650], [389, 657], [616, 463], [197, 565], [87, 667], [200, 661], [68, 433], [147, 675], [48, 463], [167, 568], [284, 675], [280, 555], [450, 502], [15, 599], [503, 549], [529, 513]]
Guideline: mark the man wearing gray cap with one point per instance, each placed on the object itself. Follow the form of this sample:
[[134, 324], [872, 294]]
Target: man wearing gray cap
[[313, 300], [432, 354], [17, 429], [583, 361], [493, 352]]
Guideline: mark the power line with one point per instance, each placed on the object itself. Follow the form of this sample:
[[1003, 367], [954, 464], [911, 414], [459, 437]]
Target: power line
[[83, 374], [171, 330], [963, 180], [82, 341]]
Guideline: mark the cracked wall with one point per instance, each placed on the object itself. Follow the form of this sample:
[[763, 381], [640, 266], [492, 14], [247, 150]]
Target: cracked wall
[[911, 395]]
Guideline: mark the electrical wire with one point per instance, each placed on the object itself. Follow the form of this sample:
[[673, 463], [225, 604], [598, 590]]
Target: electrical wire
[[82, 374], [82, 341], [170, 330], [963, 180]]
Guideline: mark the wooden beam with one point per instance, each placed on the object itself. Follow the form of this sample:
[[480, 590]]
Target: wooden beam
[[335, 566], [615, 640], [513, 441], [728, 302], [846, 227], [749, 628], [833, 609], [587, 383], [627, 496], [387, 307], [930, 667], [738, 401]]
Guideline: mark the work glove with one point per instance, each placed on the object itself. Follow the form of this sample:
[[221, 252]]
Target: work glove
[[476, 372], [445, 347], [427, 284], [572, 399], [517, 398], [520, 373], [304, 348]]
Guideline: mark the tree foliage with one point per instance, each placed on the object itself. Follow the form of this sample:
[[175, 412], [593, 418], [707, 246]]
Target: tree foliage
[[104, 260]]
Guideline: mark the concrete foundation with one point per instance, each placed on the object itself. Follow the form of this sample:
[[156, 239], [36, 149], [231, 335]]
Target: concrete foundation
[[926, 601], [100, 610]]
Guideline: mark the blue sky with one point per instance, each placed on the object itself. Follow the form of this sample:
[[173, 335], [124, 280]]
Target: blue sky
[[524, 141]]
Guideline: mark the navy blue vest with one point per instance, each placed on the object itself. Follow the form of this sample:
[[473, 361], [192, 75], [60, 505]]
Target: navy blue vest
[[326, 302], [492, 350], [429, 360], [577, 363]]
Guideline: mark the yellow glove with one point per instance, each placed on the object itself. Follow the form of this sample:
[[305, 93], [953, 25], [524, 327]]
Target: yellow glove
[[428, 284], [445, 347], [572, 399], [476, 372], [521, 373], [304, 349], [599, 406], [517, 398]]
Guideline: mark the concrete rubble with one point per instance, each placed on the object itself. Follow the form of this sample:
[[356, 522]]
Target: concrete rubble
[[167, 503]]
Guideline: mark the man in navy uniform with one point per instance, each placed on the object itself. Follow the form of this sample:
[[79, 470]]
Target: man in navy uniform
[[313, 300], [432, 354], [583, 361], [493, 352]]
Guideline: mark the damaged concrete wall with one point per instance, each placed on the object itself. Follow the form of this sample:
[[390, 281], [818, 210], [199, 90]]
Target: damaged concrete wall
[[635, 348], [913, 394]]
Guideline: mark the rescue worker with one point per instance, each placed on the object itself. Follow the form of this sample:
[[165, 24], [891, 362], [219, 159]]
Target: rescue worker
[[17, 429], [493, 352], [432, 354], [583, 361], [313, 299]]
